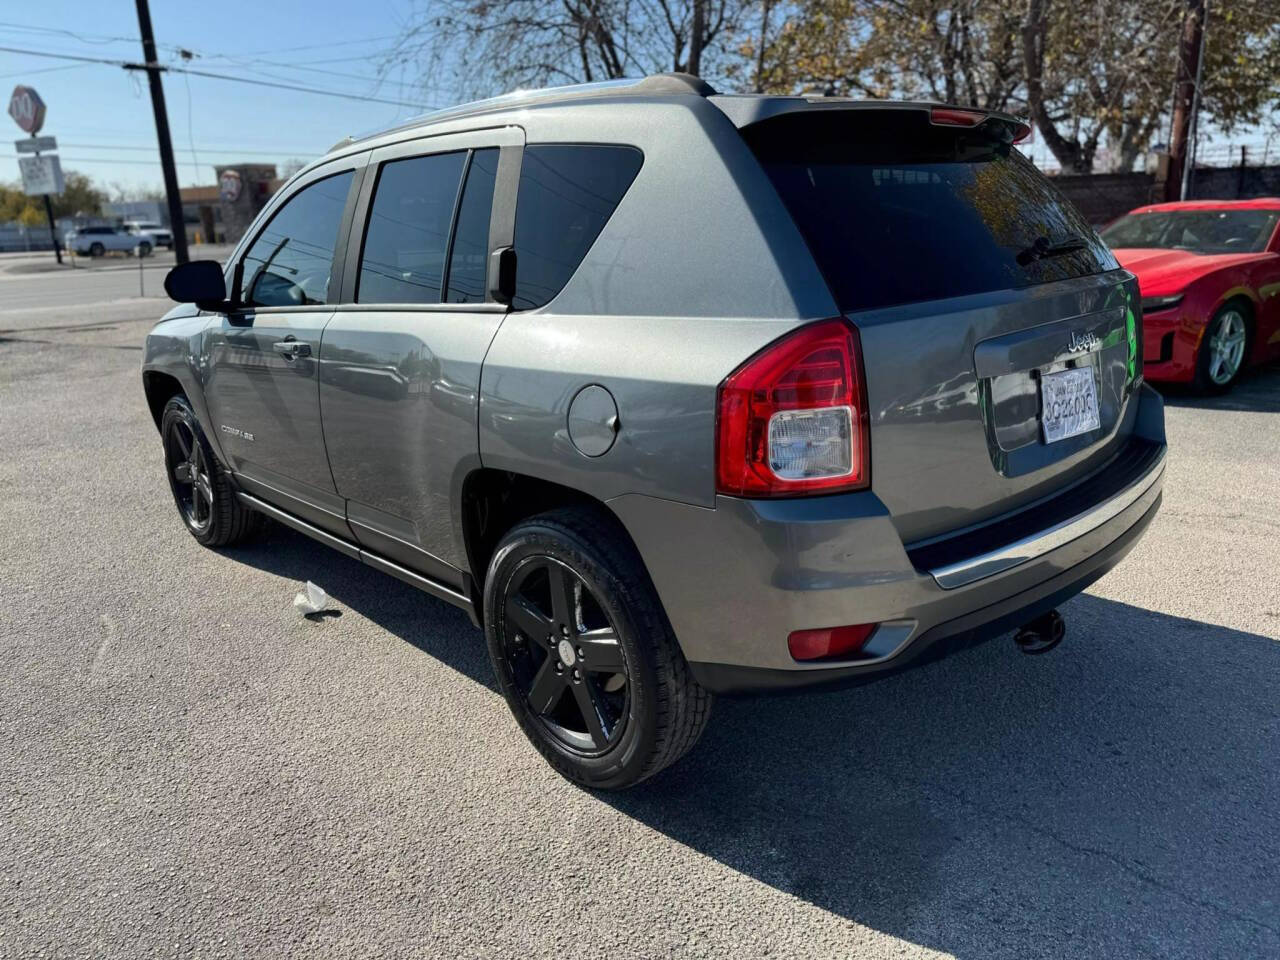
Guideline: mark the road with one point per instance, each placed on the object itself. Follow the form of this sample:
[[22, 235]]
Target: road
[[189, 768]]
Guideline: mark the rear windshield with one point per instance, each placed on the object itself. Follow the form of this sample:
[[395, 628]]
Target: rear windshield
[[896, 209], [1200, 231]]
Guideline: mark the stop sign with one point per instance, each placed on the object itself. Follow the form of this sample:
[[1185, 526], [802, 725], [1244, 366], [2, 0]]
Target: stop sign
[[27, 109]]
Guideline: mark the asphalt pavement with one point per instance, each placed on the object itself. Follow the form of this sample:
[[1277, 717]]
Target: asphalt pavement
[[189, 768]]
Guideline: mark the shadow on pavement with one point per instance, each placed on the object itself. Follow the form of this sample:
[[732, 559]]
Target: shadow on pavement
[[1115, 797], [1257, 389], [431, 625]]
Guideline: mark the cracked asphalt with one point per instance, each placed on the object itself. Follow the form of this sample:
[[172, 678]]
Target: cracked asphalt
[[188, 768]]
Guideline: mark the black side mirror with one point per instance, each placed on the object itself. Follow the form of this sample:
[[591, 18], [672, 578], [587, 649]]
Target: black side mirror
[[199, 282]]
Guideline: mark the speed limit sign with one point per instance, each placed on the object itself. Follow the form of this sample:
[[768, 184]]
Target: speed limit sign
[[27, 109]]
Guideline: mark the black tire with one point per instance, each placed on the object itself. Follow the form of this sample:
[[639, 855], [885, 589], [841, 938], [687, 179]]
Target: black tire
[[1209, 379], [96, 249], [207, 504], [144, 249], [644, 723]]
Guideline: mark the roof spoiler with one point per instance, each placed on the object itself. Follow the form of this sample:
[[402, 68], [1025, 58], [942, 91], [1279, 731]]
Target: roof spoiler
[[744, 111]]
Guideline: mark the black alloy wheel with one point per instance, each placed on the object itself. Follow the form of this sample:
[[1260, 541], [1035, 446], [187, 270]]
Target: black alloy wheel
[[189, 475], [583, 652], [565, 657], [203, 491]]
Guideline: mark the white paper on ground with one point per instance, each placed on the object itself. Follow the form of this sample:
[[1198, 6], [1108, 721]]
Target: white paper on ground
[[311, 600]]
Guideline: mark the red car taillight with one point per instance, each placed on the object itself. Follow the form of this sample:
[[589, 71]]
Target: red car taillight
[[792, 420]]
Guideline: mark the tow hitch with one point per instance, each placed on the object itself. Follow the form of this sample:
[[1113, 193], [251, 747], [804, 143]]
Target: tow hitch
[[1041, 634]]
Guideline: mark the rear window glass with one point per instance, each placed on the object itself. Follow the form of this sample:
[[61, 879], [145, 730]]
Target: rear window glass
[[567, 194], [896, 209]]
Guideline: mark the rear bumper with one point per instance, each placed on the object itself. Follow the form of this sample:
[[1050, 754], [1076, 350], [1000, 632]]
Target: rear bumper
[[738, 579]]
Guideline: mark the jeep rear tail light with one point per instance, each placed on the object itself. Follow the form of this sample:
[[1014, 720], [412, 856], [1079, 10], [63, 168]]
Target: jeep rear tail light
[[792, 420]]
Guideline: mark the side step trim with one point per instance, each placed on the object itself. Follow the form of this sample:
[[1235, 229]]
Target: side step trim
[[425, 584]]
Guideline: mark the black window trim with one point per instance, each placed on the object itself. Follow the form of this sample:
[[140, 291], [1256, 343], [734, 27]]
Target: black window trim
[[509, 140], [354, 165]]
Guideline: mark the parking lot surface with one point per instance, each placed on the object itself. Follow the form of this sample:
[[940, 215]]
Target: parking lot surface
[[190, 768]]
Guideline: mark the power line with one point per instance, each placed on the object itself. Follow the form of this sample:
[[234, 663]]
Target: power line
[[147, 163], [319, 46], [128, 65], [258, 153]]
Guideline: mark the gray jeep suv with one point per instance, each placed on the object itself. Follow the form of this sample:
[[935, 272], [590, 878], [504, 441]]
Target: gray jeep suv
[[675, 393]]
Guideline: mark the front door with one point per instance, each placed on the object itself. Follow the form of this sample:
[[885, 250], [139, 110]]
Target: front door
[[261, 384], [400, 364]]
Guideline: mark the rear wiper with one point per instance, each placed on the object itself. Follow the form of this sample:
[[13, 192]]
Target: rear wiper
[[1041, 249]]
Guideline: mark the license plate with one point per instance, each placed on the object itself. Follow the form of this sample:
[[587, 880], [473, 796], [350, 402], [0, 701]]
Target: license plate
[[1069, 400]]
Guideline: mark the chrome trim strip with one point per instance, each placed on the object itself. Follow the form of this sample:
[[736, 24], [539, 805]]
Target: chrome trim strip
[[1028, 548]]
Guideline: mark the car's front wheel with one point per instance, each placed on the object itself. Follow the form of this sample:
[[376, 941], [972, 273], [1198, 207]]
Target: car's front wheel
[[144, 249], [96, 249], [203, 492], [1223, 350], [584, 654]]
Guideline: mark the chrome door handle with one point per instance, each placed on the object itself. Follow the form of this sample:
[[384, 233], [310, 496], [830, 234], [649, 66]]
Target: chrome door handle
[[292, 348]]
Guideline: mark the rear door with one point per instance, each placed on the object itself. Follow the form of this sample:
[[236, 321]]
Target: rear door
[[262, 387], [977, 290], [400, 361]]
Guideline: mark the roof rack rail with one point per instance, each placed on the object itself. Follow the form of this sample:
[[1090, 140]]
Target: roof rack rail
[[676, 83]]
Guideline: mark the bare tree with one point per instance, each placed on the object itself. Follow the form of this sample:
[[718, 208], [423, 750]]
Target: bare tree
[[482, 47]]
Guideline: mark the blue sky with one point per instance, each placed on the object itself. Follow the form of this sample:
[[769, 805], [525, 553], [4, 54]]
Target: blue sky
[[102, 117], [105, 111]]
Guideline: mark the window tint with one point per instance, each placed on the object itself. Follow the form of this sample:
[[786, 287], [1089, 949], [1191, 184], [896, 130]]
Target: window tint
[[408, 233], [897, 210], [469, 261], [566, 195], [289, 263]]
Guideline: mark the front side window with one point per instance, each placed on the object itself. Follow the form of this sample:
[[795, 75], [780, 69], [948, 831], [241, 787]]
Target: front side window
[[567, 194], [289, 263], [408, 233]]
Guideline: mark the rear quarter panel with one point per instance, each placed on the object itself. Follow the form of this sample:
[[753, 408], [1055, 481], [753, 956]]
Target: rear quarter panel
[[698, 268]]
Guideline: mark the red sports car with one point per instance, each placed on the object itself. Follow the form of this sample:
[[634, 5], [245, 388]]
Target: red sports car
[[1209, 271]]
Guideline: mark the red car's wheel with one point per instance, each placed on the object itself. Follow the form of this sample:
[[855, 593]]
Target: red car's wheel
[[1223, 350]]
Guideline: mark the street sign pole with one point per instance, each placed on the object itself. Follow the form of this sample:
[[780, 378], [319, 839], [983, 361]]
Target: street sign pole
[[53, 227], [28, 110]]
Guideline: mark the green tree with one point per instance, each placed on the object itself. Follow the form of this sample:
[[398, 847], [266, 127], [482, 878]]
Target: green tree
[[80, 197], [1087, 76]]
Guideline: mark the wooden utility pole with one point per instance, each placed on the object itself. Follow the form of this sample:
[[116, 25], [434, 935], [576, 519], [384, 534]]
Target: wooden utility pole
[[177, 226], [1186, 98], [695, 40]]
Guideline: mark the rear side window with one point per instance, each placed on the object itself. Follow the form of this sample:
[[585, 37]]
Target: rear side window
[[567, 194], [289, 263], [469, 259], [897, 210], [408, 232]]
